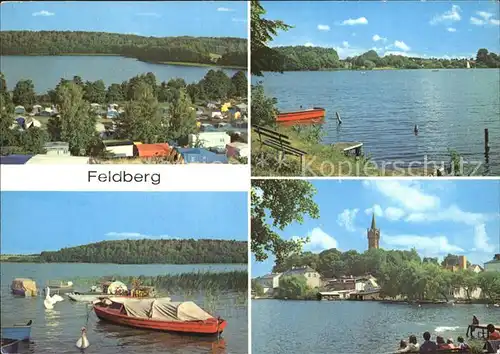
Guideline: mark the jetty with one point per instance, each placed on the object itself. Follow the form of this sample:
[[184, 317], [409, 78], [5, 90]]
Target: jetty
[[482, 330], [349, 148]]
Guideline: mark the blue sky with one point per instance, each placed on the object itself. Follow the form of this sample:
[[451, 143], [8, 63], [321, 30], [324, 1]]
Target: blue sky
[[435, 217], [37, 221], [413, 28], [145, 18]]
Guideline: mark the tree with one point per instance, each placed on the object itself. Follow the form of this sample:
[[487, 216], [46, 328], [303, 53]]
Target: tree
[[263, 108], [293, 287], [216, 84], [95, 92], [141, 120], [259, 290], [24, 93], [262, 32], [182, 117], [75, 125], [31, 141], [275, 204], [114, 94], [240, 84], [6, 121]]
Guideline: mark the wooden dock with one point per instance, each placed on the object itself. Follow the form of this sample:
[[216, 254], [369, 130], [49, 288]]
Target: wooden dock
[[481, 329], [349, 148]]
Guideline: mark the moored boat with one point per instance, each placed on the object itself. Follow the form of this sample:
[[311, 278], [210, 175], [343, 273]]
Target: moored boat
[[58, 287], [24, 287], [316, 113], [17, 331], [10, 346], [159, 314]]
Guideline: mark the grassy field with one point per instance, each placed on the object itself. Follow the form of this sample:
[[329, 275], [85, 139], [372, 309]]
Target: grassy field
[[322, 160]]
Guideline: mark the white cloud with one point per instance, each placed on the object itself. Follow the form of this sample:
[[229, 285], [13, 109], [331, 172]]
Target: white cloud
[[133, 235], [224, 9], [148, 14], [393, 213], [345, 44], [481, 239], [405, 194], [453, 213], [309, 44], [486, 18], [402, 45], [43, 13], [426, 245], [377, 38], [355, 21], [319, 241], [323, 27], [346, 219], [451, 29], [376, 209], [452, 15]]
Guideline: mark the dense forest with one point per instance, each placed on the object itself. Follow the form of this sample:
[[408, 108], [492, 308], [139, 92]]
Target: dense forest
[[148, 251], [200, 50], [297, 58]]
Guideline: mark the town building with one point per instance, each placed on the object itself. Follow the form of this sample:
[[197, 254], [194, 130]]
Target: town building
[[494, 264], [373, 235], [313, 277], [269, 282], [459, 264]]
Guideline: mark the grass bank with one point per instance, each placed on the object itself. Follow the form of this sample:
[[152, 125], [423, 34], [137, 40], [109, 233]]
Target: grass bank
[[321, 160]]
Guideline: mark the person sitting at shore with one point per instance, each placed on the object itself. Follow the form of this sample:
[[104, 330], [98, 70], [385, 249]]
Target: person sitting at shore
[[441, 343], [462, 345], [427, 346], [492, 333], [411, 347], [402, 346], [450, 343]]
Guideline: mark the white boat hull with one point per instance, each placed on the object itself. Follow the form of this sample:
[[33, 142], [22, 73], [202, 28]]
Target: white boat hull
[[83, 298]]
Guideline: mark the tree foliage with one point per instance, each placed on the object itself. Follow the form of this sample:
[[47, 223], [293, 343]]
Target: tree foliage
[[182, 117], [24, 93], [75, 125], [293, 288], [155, 49], [147, 251], [262, 32], [276, 204], [239, 84], [399, 273], [264, 109]]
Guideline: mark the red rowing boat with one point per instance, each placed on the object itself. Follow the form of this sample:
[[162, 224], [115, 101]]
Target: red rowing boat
[[159, 314], [315, 113]]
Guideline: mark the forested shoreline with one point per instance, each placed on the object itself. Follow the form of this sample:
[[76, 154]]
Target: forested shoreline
[[221, 51], [303, 58], [145, 251]]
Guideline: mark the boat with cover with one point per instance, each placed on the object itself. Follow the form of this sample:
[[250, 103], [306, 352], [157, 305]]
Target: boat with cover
[[159, 314], [117, 290], [17, 331], [24, 287], [316, 113]]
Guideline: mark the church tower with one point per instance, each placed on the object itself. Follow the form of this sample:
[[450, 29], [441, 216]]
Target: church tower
[[373, 234]]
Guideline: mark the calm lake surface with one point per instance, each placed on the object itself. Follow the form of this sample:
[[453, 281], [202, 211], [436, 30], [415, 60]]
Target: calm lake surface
[[57, 330], [380, 108], [46, 71], [315, 327]]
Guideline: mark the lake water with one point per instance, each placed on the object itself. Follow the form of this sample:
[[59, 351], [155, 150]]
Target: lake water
[[56, 331], [46, 71], [316, 327], [380, 108]]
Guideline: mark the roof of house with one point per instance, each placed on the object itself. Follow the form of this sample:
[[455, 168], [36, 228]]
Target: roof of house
[[300, 270], [151, 150], [374, 225]]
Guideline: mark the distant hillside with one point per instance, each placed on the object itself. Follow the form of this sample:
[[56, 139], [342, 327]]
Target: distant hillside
[[302, 58], [199, 50], [147, 251], [298, 58]]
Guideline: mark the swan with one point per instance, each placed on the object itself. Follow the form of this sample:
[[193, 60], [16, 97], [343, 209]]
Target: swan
[[50, 301], [83, 342]]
